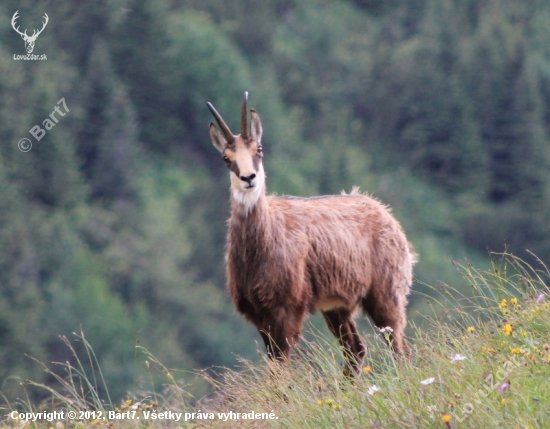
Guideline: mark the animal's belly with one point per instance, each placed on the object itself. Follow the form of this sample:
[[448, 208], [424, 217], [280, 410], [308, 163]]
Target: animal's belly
[[329, 304]]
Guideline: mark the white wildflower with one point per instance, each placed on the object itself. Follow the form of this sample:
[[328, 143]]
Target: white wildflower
[[428, 381], [372, 389], [386, 329], [457, 356]]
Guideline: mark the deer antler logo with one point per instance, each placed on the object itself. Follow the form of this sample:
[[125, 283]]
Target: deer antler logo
[[29, 40]]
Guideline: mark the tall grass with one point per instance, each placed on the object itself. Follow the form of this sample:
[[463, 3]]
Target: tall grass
[[484, 362]]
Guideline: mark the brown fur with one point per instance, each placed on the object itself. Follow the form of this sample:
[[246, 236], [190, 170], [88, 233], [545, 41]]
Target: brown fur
[[288, 257]]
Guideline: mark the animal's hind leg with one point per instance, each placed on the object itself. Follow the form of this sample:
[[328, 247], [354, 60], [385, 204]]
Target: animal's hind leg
[[341, 324], [389, 312]]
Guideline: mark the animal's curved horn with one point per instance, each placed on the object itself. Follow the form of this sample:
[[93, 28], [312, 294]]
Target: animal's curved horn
[[225, 129], [244, 126]]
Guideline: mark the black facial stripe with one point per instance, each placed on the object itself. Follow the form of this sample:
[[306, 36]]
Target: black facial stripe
[[256, 162], [235, 168]]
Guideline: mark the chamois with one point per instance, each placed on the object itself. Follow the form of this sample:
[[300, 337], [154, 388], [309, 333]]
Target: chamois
[[288, 256]]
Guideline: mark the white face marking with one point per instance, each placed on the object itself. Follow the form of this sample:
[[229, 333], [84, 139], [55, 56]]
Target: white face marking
[[245, 195]]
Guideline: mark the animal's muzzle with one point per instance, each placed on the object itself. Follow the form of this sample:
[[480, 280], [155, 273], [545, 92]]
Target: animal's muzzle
[[248, 179]]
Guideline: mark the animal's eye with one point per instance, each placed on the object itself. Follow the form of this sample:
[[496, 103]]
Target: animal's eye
[[226, 159], [259, 149]]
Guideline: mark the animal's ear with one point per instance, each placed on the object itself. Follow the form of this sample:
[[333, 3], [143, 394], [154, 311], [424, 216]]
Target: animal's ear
[[218, 140], [255, 126]]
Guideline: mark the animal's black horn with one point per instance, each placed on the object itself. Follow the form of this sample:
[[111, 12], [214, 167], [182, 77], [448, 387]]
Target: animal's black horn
[[225, 129], [244, 126]]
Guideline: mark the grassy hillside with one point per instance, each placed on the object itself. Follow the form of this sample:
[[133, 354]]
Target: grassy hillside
[[483, 362]]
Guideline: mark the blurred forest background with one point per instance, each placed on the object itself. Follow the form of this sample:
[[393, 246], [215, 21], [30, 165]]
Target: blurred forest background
[[115, 221]]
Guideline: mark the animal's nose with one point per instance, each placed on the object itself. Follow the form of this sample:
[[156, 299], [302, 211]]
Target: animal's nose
[[248, 178]]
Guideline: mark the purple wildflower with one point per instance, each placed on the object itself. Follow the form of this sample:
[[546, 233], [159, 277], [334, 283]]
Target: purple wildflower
[[503, 387]]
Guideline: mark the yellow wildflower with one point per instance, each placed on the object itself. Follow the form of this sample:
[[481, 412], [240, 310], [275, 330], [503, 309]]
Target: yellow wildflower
[[446, 418], [548, 358], [516, 351], [507, 329], [524, 333], [367, 369], [503, 401], [320, 402], [514, 301], [471, 329], [503, 303]]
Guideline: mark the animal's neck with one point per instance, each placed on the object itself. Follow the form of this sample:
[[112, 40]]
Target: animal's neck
[[248, 243], [250, 218]]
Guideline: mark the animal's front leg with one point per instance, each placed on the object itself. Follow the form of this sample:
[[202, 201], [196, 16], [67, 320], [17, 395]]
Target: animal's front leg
[[281, 333]]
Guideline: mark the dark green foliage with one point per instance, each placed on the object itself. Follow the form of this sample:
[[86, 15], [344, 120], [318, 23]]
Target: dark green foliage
[[115, 221], [250, 23], [377, 7], [108, 139]]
